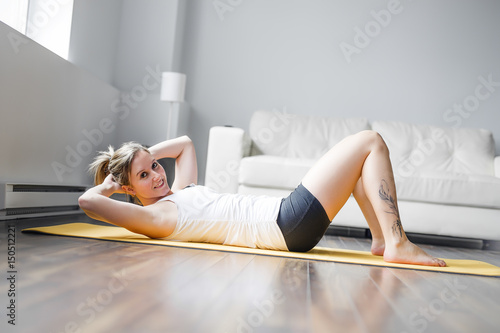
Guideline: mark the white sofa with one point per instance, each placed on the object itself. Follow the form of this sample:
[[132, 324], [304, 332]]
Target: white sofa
[[447, 179]]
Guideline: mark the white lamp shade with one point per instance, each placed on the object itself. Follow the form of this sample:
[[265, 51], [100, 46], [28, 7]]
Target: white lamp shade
[[173, 86]]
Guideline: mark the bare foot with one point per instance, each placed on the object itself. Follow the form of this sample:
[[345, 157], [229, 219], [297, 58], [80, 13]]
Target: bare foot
[[378, 247], [409, 253]]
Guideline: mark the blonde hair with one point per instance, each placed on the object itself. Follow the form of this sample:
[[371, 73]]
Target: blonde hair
[[118, 163]]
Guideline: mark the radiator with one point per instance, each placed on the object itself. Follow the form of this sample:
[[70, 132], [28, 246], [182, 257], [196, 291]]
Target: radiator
[[33, 200]]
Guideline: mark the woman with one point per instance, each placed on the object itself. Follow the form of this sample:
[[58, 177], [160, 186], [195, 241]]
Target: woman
[[357, 165]]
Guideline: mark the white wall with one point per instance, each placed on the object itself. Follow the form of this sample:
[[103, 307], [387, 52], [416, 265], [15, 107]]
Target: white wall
[[53, 115], [286, 55]]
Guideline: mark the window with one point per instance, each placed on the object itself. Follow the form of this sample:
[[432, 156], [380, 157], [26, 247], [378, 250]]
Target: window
[[47, 22], [13, 13]]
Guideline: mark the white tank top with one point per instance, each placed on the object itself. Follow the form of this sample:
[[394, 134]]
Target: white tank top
[[223, 218]]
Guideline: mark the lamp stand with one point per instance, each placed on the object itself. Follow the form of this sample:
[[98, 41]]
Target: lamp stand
[[169, 128]]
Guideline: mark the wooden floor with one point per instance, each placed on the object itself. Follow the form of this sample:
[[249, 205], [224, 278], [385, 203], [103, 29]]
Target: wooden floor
[[80, 285]]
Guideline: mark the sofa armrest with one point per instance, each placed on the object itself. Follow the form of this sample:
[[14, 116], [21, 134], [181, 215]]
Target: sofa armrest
[[226, 147], [497, 166]]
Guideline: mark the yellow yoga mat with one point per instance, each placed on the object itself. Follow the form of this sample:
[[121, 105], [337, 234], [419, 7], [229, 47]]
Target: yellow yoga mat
[[112, 233]]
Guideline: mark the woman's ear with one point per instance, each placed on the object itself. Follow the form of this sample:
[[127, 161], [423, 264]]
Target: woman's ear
[[129, 190]]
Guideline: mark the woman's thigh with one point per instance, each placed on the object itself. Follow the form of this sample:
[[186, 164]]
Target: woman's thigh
[[333, 178]]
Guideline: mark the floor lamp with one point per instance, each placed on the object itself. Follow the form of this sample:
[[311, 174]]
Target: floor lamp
[[173, 86]]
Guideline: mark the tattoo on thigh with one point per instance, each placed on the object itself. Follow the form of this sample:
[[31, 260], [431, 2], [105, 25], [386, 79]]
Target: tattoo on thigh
[[385, 195]]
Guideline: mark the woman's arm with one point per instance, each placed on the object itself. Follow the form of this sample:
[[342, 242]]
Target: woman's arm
[[186, 168], [149, 220]]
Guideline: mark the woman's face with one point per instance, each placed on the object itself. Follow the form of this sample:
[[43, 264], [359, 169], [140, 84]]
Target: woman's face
[[148, 180]]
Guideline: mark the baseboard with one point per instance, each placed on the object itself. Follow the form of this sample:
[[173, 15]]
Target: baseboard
[[491, 245], [335, 230], [468, 243]]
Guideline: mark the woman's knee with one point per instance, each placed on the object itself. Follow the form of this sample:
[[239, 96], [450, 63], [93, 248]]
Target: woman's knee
[[372, 139]]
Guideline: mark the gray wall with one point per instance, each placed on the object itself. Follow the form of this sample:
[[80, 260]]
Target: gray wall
[[420, 65], [53, 115], [56, 114], [146, 47], [287, 55], [95, 30], [128, 43]]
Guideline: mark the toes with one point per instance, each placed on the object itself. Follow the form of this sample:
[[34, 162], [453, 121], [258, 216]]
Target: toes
[[441, 263], [438, 262]]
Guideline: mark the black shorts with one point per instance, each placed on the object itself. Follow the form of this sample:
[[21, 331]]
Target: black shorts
[[302, 220]]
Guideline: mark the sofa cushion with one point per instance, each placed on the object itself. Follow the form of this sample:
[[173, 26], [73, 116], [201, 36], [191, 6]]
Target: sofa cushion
[[435, 187], [298, 136], [423, 148], [273, 171], [449, 188]]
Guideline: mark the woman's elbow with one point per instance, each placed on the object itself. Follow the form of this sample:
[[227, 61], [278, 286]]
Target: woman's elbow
[[84, 202]]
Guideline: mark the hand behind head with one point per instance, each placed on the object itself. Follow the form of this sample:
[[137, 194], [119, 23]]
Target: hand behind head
[[110, 182]]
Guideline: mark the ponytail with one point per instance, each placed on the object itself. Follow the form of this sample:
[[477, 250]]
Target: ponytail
[[100, 167]]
